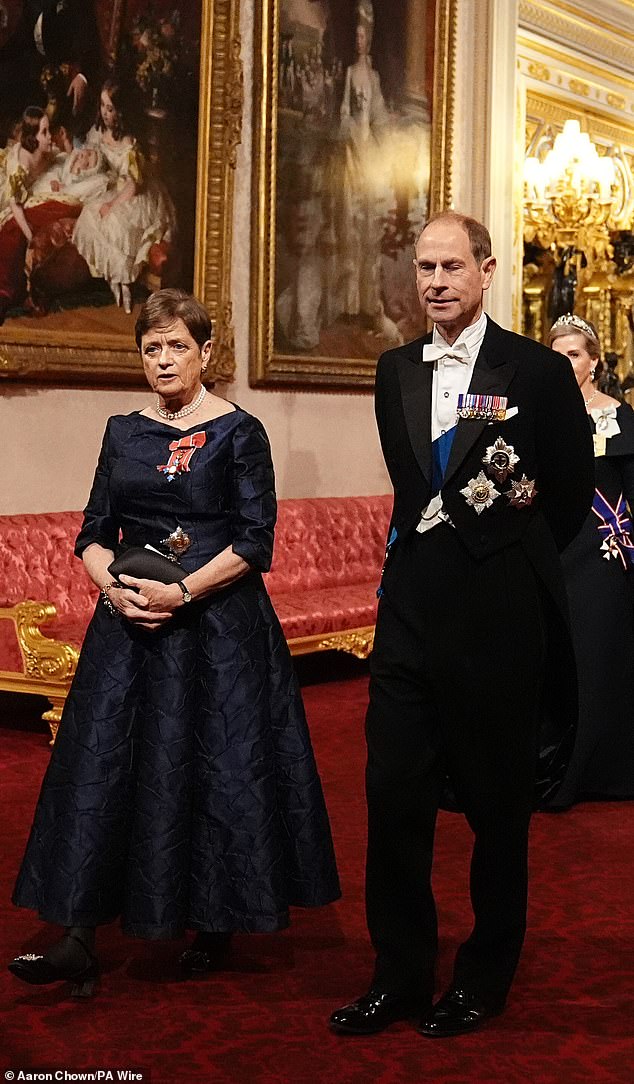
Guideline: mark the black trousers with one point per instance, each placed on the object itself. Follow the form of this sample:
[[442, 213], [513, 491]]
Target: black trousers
[[456, 676]]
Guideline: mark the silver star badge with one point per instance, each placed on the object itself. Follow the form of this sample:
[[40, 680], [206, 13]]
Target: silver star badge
[[480, 492], [500, 459], [523, 493]]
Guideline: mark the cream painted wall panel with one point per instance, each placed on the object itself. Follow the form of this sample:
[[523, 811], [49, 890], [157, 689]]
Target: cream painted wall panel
[[54, 436]]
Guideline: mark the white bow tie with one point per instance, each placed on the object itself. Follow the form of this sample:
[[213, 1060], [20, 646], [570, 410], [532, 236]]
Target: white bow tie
[[436, 352]]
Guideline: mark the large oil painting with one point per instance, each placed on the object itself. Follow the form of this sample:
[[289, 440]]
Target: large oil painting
[[352, 130], [119, 122]]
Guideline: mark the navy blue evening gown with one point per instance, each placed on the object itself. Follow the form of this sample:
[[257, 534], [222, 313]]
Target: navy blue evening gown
[[182, 792]]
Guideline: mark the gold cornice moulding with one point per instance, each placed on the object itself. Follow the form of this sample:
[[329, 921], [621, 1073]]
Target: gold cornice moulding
[[602, 42], [539, 71]]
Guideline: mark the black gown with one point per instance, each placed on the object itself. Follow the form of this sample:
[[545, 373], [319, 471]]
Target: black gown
[[182, 791], [599, 572]]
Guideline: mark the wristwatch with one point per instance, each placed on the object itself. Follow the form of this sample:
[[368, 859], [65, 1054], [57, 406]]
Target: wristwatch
[[186, 594]]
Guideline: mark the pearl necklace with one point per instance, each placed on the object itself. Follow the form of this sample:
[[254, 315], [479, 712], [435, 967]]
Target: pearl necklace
[[189, 409], [591, 398]]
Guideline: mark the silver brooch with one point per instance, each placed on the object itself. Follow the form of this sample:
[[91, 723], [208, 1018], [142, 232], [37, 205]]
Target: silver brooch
[[522, 493], [500, 459], [480, 492]]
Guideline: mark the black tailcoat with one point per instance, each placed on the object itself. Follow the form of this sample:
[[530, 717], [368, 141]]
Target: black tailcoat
[[471, 631], [550, 435]]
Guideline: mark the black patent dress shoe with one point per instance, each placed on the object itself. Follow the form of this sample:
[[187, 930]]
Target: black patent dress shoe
[[457, 1013], [38, 971], [371, 1013]]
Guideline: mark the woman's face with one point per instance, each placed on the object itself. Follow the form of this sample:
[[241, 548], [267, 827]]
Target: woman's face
[[43, 137], [108, 110], [362, 40], [575, 347], [172, 360]]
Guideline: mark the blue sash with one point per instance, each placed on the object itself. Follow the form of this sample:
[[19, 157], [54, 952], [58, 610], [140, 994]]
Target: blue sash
[[441, 450]]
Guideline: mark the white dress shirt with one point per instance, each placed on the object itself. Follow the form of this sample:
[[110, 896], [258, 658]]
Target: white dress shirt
[[453, 369]]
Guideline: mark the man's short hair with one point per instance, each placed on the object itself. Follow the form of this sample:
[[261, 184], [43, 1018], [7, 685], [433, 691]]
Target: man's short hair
[[479, 236], [165, 306]]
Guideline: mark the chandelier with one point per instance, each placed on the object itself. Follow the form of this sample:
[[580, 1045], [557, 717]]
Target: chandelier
[[569, 199]]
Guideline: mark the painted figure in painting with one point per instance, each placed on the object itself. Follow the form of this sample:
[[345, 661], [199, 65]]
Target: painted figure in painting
[[364, 200], [352, 174], [115, 235], [39, 38], [27, 203], [97, 217]]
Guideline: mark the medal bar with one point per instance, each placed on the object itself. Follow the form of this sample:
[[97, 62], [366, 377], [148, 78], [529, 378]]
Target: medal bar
[[489, 408]]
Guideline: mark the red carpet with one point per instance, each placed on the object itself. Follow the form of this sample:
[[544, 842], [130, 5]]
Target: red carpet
[[570, 1018]]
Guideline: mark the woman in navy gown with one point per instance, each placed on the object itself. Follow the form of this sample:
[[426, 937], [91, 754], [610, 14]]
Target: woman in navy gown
[[182, 792], [599, 570]]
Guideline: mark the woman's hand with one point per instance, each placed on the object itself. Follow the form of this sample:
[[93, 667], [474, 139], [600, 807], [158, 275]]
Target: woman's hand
[[146, 603], [105, 209], [151, 603]]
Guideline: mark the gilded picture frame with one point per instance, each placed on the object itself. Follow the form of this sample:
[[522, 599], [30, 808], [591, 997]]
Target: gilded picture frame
[[45, 351], [322, 213]]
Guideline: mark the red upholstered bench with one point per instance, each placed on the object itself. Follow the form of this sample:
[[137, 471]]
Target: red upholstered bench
[[326, 567]]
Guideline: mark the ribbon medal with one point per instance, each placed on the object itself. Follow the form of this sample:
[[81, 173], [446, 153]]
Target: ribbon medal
[[182, 451], [482, 408], [480, 493], [500, 459], [523, 493]]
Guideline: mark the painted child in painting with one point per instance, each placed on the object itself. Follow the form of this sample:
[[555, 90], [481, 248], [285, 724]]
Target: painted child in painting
[[115, 234]]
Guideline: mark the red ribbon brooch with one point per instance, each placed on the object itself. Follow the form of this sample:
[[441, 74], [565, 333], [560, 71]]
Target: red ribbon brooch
[[182, 451]]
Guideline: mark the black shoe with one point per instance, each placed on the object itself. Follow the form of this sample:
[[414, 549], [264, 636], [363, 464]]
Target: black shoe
[[456, 1013], [38, 971], [372, 1012], [208, 952]]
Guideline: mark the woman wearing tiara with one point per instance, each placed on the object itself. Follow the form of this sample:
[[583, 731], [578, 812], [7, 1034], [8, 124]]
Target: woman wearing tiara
[[599, 569]]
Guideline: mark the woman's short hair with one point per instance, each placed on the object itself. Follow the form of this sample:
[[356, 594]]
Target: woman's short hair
[[165, 306], [571, 324], [30, 127]]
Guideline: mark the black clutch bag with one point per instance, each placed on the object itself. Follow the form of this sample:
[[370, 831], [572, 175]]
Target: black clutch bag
[[145, 564]]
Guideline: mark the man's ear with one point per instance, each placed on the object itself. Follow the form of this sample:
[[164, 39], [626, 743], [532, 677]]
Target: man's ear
[[487, 271]]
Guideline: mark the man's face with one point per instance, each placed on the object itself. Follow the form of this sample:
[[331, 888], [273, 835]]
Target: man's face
[[449, 282]]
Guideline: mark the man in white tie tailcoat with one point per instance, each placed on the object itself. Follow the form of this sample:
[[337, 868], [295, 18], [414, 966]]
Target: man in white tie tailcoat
[[487, 443]]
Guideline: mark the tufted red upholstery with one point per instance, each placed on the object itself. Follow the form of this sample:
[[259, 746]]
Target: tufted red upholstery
[[326, 565]]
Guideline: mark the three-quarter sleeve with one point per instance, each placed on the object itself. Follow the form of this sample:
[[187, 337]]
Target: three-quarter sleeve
[[254, 508], [100, 524]]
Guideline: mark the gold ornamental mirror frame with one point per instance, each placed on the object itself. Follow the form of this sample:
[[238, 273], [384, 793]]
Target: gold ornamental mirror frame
[[98, 350], [303, 320]]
